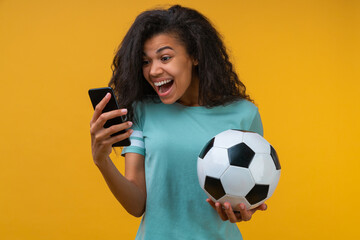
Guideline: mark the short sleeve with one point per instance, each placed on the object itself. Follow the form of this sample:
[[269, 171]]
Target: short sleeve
[[256, 125], [137, 144]]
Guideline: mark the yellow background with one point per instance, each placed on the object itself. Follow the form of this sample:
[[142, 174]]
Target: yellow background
[[299, 60]]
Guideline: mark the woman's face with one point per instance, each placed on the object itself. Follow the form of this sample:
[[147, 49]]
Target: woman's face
[[169, 70]]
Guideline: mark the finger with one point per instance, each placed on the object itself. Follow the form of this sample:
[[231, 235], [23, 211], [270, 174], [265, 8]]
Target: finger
[[212, 204], [105, 133], [262, 207], [100, 121], [99, 107], [119, 137], [245, 214], [220, 211], [110, 115], [230, 213], [116, 128]]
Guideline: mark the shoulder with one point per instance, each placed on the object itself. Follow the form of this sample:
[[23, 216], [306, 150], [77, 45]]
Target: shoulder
[[144, 108], [244, 106], [249, 114]]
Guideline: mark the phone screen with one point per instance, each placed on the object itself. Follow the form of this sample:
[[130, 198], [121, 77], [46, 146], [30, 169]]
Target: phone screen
[[96, 95]]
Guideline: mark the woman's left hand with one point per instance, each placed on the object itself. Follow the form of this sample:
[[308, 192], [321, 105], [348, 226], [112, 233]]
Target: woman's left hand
[[226, 212]]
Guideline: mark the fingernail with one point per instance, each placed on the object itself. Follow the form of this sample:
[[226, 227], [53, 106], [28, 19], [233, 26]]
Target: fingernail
[[226, 206], [124, 110], [242, 206], [107, 95], [130, 124]]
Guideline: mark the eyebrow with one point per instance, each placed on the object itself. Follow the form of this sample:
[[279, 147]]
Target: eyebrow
[[160, 49], [163, 48]]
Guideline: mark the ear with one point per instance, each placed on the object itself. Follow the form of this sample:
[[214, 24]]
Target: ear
[[195, 62]]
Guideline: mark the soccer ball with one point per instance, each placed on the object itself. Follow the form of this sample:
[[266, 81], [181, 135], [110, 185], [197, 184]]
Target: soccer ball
[[238, 167]]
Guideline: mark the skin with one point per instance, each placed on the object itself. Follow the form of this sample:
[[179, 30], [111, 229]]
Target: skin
[[164, 58], [226, 212]]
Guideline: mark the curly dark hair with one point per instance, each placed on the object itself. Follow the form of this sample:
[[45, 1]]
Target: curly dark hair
[[218, 82]]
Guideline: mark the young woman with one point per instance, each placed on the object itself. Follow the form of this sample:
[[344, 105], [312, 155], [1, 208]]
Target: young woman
[[173, 76]]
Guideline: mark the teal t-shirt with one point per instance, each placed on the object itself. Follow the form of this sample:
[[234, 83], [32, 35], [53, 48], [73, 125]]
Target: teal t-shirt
[[171, 138]]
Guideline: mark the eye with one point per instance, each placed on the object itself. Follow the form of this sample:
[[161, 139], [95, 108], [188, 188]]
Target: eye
[[145, 62], [165, 58]]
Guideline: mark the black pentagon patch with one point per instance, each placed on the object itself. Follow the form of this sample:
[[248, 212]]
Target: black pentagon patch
[[206, 148], [275, 158], [214, 187], [257, 194], [240, 155]]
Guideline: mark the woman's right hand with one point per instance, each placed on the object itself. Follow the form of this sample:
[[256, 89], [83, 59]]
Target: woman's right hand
[[101, 141]]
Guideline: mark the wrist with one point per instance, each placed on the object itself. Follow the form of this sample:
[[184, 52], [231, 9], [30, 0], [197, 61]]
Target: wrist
[[103, 163]]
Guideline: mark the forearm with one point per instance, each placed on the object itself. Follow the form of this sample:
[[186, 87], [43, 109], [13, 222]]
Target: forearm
[[130, 196]]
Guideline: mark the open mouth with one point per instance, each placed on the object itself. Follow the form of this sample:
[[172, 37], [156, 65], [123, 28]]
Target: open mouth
[[164, 86]]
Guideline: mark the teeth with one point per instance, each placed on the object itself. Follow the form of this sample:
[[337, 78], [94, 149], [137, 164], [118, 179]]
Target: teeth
[[159, 84]]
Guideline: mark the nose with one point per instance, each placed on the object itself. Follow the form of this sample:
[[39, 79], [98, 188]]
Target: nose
[[155, 69]]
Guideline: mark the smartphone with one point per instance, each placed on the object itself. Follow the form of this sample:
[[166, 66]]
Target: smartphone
[[96, 95]]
